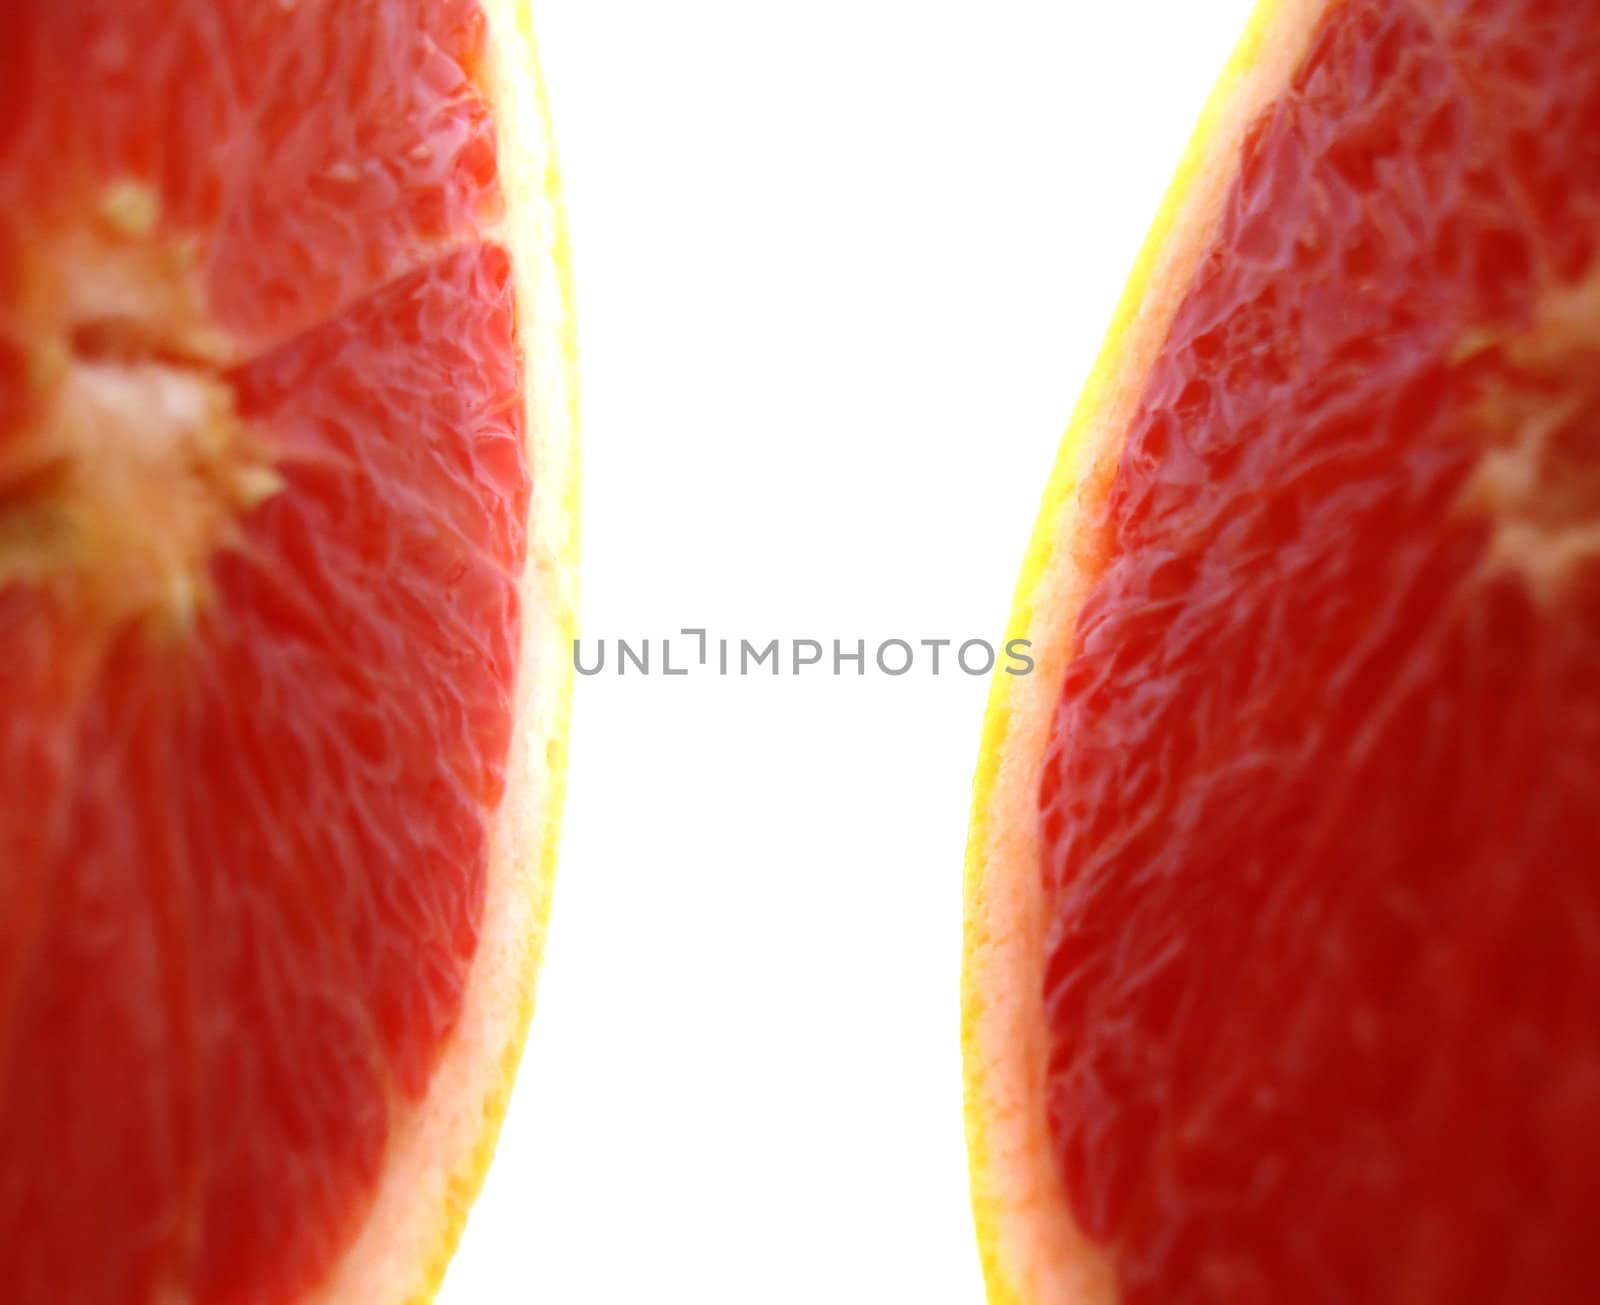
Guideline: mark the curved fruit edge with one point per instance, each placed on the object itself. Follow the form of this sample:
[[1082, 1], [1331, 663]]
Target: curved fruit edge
[[1019, 1208], [440, 1151]]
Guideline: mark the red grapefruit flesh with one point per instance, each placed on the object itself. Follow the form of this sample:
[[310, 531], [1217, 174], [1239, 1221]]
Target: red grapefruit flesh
[[1311, 898], [283, 535]]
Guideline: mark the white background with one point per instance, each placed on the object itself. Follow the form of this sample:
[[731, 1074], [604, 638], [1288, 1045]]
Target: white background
[[841, 268]]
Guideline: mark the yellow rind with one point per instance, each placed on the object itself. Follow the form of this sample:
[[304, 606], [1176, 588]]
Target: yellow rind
[[1032, 1253], [440, 1148]]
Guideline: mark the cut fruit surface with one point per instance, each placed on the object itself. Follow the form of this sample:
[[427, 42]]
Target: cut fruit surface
[[1283, 903], [287, 538]]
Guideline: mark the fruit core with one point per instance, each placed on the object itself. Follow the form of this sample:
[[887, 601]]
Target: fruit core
[[1538, 480], [126, 466]]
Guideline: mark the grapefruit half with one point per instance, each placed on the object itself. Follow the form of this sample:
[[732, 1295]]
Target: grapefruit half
[[1282, 973], [287, 535]]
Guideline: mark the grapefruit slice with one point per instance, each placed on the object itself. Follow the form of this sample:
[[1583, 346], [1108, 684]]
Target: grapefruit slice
[[1282, 974], [287, 530]]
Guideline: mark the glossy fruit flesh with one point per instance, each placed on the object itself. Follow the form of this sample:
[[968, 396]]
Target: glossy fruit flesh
[[262, 502], [1321, 813]]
